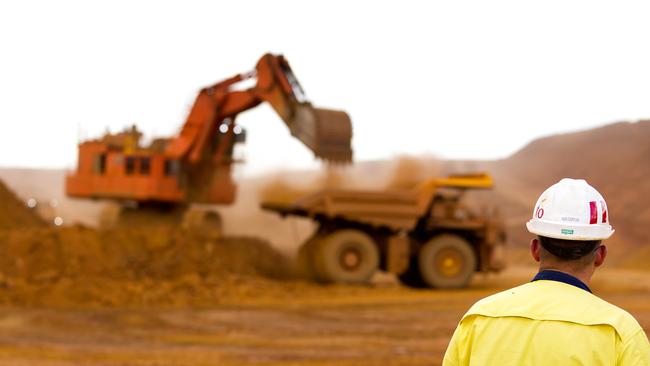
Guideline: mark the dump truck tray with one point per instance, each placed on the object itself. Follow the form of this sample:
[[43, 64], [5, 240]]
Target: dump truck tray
[[393, 209], [396, 210]]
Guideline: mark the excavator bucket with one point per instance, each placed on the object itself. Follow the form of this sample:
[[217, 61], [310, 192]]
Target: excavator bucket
[[326, 132]]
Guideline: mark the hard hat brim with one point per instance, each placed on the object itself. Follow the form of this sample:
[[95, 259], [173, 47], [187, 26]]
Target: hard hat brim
[[570, 232]]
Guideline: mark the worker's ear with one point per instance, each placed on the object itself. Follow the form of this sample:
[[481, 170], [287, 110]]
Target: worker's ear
[[601, 254], [535, 249]]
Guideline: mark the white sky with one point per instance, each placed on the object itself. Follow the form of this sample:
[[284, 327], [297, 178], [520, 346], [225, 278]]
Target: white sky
[[457, 79]]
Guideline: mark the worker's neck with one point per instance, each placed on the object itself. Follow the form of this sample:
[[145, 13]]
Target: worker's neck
[[583, 274]]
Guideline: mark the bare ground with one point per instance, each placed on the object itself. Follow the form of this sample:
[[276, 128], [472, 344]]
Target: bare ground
[[292, 323]]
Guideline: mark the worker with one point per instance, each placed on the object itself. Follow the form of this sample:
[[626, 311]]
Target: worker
[[555, 319]]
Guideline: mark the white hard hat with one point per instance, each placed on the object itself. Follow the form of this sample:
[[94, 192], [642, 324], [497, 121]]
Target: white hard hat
[[571, 209]]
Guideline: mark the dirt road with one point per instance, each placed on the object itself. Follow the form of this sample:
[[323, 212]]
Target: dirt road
[[290, 323]]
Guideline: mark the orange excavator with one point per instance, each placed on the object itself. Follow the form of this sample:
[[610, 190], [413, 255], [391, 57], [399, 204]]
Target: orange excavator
[[196, 165]]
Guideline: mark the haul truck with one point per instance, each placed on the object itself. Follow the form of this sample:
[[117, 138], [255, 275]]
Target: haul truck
[[427, 237]]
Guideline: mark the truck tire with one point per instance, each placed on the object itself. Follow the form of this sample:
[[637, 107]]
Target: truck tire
[[305, 266], [447, 261], [346, 256]]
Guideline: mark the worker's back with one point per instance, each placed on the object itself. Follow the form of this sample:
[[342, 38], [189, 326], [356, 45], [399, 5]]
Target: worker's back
[[547, 323]]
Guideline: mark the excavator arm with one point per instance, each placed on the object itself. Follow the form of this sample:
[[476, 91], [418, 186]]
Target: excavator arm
[[327, 133]]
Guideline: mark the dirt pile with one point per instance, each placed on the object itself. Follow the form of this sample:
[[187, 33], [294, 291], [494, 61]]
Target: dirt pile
[[14, 213], [160, 265], [76, 266]]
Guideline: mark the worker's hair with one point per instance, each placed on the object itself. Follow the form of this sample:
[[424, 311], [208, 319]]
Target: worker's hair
[[569, 250]]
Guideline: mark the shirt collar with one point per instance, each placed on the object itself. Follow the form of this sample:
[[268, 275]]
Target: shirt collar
[[551, 275]]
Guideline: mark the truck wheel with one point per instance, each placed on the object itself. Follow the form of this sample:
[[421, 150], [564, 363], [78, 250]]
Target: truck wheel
[[346, 256], [305, 265], [447, 261]]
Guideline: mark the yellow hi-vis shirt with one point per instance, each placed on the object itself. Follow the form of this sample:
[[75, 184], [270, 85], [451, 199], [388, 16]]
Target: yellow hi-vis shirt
[[547, 323]]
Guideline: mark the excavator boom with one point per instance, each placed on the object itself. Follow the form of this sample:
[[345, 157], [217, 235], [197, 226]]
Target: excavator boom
[[327, 133]]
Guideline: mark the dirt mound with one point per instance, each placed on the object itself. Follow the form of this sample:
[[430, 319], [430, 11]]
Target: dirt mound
[[83, 267], [14, 213], [161, 265]]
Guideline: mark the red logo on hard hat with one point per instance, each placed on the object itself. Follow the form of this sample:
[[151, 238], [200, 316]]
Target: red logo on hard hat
[[539, 212], [593, 212], [603, 208]]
